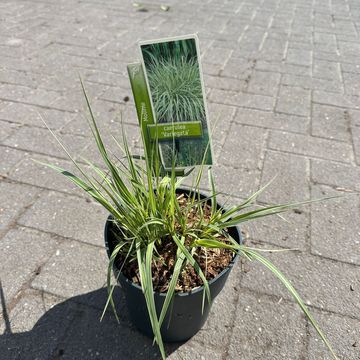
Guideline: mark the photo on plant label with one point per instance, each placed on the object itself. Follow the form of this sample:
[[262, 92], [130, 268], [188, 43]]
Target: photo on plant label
[[175, 84]]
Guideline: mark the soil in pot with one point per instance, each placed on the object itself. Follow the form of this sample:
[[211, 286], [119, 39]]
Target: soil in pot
[[211, 261]]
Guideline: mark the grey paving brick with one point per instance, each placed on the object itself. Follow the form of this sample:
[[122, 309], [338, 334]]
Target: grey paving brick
[[247, 143], [341, 176], [312, 83], [352, 68], [41, 141], [6, 129], [283, 68], [330, 122], [264, 83], [217, 56], [310, 146], [9, 158], [196, 351], [14, 198], [75, 258], [17, 244], [271, 120], [351, 82], [290, 174], [30, 172], [326, 69], [347, 101], [12, 92], [220, 115], [293, 100], [291, 231], [266, 328], [299, 57], [354, 116], [67, 216], [224, 83], [335, 226], [322, 283], [239, 68], [254, 101], [31, 115], [343, 334]]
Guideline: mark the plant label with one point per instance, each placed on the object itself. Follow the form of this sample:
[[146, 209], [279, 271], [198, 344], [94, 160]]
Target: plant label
[[176, 105]]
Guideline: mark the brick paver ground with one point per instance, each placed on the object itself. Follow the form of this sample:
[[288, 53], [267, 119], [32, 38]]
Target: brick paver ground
[[282, 76]]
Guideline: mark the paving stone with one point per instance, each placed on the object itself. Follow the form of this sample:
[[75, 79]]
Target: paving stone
[[330, 122], [283, 68], [9, 158], [30, 172], [343, 334], [335, 226], [68, 216], [347, 101], [310, 146], [307, 82], [299, 57], [7, 129], [290, 174], [351, 82], [41, 141], [14, 198], [17, 244], [293, 100], [76, 258], [115, 94], [310, 275], [266, 328], [239, 68], [224, 83], [268, 119], [264, 83], [341, 176], [326, 69], [31, 115], [260, 102], [247, 142], [217, 56], [353, 116], [352, 68], [291, 231]]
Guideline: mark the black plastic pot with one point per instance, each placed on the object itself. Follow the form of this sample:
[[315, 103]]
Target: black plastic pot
[[184, 317]]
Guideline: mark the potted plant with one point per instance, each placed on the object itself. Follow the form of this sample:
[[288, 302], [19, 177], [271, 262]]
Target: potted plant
[[171, 249]]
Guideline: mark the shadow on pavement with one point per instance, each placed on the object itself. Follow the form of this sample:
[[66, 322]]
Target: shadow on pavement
[[72, 330]]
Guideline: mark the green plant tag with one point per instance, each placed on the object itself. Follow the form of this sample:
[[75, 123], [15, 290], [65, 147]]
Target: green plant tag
[[175, 86], [142, 101], [179, 130]]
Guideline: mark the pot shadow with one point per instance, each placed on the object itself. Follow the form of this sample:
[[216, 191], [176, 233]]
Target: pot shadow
[[72, 330]]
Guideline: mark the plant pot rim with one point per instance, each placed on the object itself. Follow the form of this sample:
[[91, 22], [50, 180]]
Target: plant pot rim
[[187, 293]]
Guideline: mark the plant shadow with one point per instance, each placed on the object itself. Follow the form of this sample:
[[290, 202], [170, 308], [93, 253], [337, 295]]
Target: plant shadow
[[72, 330]]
